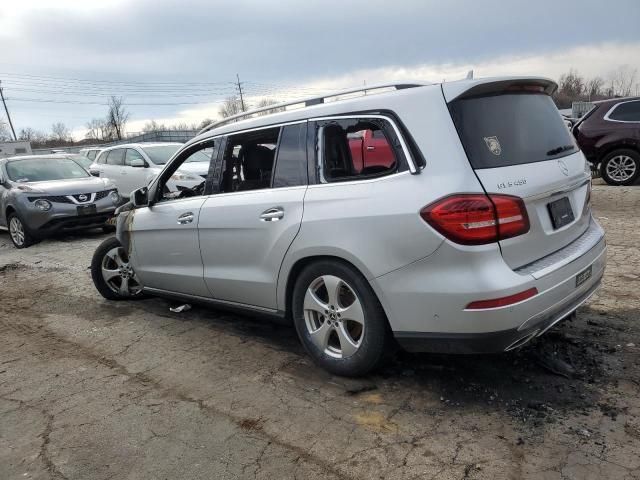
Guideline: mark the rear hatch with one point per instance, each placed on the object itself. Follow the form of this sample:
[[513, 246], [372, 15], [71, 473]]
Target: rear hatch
[[518, 144]]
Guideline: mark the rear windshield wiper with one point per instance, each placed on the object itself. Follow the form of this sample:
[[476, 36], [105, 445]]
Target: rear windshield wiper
[[564, 148]]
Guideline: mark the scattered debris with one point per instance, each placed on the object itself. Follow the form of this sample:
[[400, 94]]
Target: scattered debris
[[181, 308], [556, 365]]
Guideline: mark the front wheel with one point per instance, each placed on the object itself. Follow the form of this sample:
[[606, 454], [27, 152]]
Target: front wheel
[[112, 273], [621, 167], [19, 234], [339, 319]]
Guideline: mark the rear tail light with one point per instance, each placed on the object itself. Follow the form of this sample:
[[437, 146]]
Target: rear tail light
[[477, 219], [503, 301]]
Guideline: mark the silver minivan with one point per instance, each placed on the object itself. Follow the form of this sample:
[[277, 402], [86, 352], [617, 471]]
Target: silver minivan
[[450, 217]]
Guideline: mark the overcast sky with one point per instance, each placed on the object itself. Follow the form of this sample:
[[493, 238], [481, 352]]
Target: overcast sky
[[186, 53]]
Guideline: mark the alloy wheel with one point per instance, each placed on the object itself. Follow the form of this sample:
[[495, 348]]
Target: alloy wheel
[[334, 316], [621, 168], [16, 230], [118, 274]]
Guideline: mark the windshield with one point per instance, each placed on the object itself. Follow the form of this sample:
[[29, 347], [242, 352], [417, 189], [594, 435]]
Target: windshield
[[44, 169], [511, 129], [82, 160], [160, 154]]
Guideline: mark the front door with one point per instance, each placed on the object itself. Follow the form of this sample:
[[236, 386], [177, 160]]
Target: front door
[[166, 247]]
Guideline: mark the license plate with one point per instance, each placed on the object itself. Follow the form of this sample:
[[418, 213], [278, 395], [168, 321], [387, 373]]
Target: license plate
[[583, 276], [560, 212], [86, 209]]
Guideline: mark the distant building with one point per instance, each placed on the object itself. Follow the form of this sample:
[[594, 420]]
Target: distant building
[[10, 149]]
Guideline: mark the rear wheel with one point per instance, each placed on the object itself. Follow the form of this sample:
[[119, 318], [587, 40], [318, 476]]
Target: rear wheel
[[339, 318], [621, 167], [19, 234], [112, 274]]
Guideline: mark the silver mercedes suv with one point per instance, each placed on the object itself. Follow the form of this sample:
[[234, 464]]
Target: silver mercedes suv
[[452, 217]]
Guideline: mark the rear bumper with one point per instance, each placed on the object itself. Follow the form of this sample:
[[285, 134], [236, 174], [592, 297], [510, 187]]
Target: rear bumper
[[426, 301], [491, 342]]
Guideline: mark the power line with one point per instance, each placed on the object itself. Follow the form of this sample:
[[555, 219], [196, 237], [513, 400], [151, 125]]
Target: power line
[[74, 102]]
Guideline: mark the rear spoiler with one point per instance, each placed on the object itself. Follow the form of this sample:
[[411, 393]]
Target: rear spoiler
[[487, 86]]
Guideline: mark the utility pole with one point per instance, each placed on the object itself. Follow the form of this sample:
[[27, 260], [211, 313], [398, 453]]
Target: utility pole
[[240, 91], [7, 110]]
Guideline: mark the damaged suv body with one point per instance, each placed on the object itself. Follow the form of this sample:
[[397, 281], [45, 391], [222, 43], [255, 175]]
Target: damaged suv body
[[473, 234]]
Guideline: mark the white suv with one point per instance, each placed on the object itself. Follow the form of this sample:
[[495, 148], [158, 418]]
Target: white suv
[[464, 227], [134, 165]]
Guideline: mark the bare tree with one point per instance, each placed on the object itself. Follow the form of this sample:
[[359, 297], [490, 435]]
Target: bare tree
[[623, 81], [117, 116], [96, 129], [153, 126], [232, 106], [266, 102], [30, 135], [204, 123], [593, 88], [60, 132], [4, 132]]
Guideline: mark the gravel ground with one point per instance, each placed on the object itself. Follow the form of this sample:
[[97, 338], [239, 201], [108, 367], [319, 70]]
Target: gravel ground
[[91, 389]]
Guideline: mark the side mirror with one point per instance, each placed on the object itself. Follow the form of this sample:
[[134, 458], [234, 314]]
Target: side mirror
[[138, 163], [140, 197]]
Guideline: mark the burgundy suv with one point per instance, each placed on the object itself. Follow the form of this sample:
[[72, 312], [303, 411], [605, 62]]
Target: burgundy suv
[[609, 136]]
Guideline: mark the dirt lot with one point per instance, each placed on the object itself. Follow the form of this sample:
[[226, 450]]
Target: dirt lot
[[98, 390]]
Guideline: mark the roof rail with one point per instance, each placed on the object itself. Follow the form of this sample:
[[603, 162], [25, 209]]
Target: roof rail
[[308, 102]]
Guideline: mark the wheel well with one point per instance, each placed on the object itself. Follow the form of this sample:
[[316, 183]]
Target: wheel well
[[9, 211], [297, 269], [611, 148]]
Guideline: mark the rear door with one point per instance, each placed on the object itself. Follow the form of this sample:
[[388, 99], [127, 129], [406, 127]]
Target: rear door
[[245, 231], [112, 168], [517, 144], [134, 172]]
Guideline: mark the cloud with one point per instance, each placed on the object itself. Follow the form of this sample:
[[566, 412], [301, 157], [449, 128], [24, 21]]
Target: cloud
[[309, 45]]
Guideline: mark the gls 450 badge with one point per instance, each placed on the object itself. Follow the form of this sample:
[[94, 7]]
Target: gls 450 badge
[[514, 183]]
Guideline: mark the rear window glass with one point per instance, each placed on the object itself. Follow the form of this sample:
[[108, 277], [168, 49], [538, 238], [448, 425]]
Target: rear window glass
[[626, 112], [511, 129]]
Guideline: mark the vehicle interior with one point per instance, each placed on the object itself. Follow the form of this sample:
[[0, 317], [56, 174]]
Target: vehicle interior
[[345, 152], [249, 160]]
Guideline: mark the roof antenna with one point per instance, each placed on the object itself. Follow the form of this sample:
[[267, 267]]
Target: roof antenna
[[470, 75]]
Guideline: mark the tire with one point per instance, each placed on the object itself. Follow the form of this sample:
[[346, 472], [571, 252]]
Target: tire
[[350, 348], [112, 275], [18, 232], [620, 167]]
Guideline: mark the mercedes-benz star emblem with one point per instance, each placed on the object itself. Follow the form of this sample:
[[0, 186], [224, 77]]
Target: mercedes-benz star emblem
[[563, 168]]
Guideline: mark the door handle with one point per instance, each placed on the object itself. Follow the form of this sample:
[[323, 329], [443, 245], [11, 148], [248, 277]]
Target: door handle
[[272, 215], [370, 147], [185, 218]]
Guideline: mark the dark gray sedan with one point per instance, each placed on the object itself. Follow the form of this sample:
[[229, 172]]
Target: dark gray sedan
[[43, 194]]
